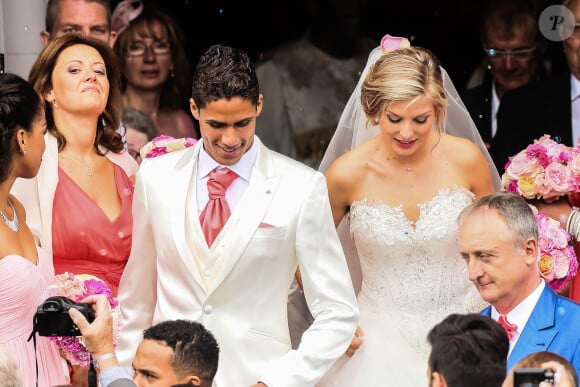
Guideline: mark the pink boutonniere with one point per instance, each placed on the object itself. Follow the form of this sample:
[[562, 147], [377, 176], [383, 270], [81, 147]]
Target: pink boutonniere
[[164, 144]]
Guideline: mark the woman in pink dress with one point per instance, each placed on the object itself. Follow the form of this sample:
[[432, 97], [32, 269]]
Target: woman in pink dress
[[25, 270], [79, 205]]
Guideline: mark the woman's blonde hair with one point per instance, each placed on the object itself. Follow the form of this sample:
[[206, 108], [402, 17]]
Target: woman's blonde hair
[[404, 75]]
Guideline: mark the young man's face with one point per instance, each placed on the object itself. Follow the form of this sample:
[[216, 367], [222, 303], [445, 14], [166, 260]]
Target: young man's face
[[152, 366], [227, 127]]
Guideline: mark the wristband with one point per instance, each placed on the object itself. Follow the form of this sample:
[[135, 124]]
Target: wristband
[[97, 362]]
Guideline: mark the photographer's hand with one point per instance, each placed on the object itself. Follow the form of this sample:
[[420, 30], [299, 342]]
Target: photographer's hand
[[562, 376], [98, 335]]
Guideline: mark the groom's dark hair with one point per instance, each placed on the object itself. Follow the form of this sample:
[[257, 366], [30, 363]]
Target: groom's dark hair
[[469, 350], [224, 72]]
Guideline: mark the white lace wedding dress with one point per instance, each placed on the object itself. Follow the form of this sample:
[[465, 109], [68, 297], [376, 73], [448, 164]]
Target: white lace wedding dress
[[413, 277]]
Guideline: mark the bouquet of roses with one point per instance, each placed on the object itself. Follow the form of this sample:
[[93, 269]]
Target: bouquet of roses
[[546, 169], [76, 288], [163, 144], [557, 259]]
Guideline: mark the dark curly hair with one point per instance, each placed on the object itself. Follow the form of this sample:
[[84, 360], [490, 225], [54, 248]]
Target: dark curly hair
[[195, 350], [224, 72], [469, 350]]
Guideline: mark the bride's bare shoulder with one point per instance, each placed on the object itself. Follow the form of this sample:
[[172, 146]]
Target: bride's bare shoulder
[[351, 164]]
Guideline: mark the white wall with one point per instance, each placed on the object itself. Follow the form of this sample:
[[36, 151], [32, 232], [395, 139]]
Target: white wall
[[20, 24]]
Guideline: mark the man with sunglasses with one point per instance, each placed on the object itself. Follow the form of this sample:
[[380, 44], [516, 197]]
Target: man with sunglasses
[[514, 51], [550, 106]]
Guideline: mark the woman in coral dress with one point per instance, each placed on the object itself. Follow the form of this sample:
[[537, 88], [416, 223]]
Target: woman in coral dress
[[25, 270], [79, 205]]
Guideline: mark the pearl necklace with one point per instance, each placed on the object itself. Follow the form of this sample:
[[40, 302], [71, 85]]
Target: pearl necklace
[[12, 224]]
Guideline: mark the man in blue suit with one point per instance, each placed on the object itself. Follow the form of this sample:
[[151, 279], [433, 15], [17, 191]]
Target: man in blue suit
[[498, 238]]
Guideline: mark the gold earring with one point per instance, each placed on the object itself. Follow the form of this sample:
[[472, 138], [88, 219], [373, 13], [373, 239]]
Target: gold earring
[[54, 103], [23, 150]]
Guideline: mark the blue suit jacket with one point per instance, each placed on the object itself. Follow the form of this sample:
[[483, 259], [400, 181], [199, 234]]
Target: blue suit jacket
[[554, 326]]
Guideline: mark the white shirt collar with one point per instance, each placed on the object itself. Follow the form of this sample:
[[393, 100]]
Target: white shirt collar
[[574, 87], [522, 312], [242, 168]]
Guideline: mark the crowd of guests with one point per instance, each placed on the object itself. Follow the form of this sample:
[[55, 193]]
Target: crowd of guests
[[201, 246]]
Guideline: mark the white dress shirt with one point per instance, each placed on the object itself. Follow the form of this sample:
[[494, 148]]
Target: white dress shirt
[[242, 168], [575, 100], [521, 313]]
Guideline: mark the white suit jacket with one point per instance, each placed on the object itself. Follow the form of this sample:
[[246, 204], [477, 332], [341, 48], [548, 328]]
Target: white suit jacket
[[37, 194], [239, 288]]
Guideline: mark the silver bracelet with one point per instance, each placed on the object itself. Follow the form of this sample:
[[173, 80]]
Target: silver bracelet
[[97, 362]]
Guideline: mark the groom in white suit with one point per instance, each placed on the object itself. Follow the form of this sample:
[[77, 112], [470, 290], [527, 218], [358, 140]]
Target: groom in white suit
[[238, 285]]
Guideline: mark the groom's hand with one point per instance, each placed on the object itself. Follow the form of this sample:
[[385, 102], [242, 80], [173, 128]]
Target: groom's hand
[[355, 343]]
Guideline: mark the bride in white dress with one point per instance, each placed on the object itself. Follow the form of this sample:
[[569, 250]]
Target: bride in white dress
[[398, 193]]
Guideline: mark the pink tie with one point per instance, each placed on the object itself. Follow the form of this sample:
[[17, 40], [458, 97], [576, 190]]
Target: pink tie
[[509, 327], [216, 212]]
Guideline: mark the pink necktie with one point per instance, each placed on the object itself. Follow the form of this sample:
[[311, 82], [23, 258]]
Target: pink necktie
[[216, 212], [509, 327]]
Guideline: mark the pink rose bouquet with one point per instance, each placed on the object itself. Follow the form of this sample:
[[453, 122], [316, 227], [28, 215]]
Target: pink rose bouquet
[[163, 144], [77, 287], [546, 169], [557, 260]]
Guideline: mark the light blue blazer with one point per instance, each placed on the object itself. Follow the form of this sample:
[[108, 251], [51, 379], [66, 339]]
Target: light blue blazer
[[554, 326]]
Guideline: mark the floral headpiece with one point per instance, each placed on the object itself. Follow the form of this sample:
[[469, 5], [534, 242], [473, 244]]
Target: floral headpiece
[[125, 12], [77, 287], [391, 43]]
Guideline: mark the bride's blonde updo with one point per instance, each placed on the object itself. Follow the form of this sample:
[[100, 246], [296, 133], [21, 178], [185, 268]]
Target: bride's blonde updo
[[406, 74]]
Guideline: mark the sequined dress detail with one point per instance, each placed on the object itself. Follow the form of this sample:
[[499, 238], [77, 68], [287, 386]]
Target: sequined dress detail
[[413, 277]]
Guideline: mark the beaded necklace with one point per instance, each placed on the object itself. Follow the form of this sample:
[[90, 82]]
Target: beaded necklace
[[12, 224]]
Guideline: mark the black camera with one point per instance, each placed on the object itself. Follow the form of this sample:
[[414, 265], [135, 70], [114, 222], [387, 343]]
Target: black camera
[[52, 318], [532, 377]]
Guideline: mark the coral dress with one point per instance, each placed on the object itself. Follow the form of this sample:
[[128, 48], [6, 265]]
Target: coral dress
[[84, 239], [22, 286]]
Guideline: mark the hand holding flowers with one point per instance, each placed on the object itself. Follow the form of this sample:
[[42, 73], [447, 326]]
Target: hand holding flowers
[[77, 288]]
